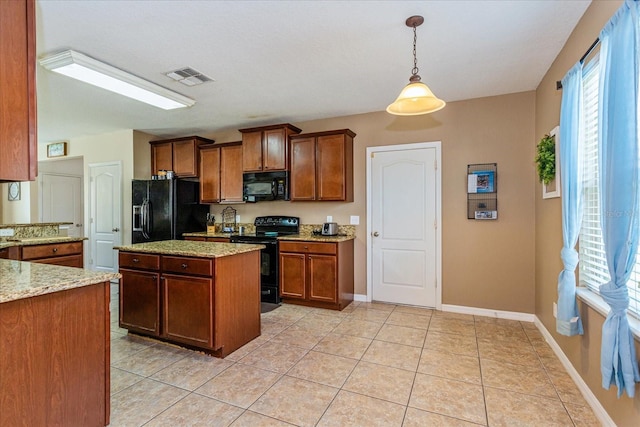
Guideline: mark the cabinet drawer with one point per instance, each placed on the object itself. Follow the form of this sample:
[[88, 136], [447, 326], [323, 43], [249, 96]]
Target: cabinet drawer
[[308, 247], [186, 265], [51, 250], [137, 260]]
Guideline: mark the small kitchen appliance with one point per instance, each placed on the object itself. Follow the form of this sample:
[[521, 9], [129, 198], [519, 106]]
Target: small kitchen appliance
[[268, 228], [330, 229]]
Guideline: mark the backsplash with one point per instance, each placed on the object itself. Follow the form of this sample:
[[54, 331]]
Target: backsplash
[[308, 229]]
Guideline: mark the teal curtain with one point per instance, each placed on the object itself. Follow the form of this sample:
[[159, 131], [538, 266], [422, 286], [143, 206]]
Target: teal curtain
[[571, 122], [618, 134]]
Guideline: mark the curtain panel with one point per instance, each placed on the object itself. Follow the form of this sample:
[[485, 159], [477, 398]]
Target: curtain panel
[[571, 124], [618, 136]]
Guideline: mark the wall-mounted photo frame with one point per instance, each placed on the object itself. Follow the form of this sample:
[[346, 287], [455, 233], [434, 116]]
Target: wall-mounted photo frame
[[57, 149], [552, 189], [14, 191]]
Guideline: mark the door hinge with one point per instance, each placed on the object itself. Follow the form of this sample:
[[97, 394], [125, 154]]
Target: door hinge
[[435, 223], [435, 164], [372, 154]]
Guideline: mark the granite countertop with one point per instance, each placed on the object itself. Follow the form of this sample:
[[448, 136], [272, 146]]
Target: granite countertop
[[191, 248], [316, 238], [20, 279], [205, 234], [30, 241]]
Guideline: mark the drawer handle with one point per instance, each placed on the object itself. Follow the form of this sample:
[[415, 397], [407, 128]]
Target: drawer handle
[[184, 266], [306, 247], [55, 250], [135, 260]]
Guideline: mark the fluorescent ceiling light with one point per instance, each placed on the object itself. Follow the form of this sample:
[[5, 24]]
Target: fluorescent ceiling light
[[89, 70]]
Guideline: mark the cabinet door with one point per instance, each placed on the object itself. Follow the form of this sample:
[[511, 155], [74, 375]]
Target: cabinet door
[[292, 275], [161, 157], [18, 144], [188, 310], [303, 169], [140, 301], [331, 168], [252, 151], [231, 173], [185, 159], [274, 150], [210, 175], [323, 278]]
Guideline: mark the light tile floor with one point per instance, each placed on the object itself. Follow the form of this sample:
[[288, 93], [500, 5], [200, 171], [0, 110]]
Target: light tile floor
[[368, 365]]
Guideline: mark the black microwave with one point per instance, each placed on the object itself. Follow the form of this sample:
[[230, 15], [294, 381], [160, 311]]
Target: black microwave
[[263, 186]]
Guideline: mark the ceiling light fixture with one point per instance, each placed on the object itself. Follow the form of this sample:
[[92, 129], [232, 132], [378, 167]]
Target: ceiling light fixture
[[416, 98], [81, 67]]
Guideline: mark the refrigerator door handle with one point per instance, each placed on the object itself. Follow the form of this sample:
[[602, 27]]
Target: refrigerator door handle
[[145, 219]]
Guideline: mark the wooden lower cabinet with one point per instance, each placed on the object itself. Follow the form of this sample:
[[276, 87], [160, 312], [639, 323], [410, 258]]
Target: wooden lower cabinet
[[55, 358], [204, 303], [140, 301], [188, 309], [317, 274], [68, 254]]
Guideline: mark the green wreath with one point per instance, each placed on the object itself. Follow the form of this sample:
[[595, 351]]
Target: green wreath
[[546, 159]]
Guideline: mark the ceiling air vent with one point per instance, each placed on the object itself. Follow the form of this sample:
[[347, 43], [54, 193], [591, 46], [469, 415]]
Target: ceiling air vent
[[188, 76]]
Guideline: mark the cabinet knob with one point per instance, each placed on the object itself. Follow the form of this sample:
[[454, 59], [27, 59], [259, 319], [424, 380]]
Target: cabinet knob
[[55, 250], [184, 266], [135, 260]]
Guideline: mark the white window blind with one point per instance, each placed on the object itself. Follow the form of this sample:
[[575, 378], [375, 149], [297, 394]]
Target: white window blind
[[593, 264]]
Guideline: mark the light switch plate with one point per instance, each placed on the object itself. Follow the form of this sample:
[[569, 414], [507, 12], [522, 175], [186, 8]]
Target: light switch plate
[[6, 232], [355, 220], [555, 310], [237, 219], [329, 218]]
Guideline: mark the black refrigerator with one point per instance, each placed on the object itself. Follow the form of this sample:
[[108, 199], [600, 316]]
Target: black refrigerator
[[164, 209]]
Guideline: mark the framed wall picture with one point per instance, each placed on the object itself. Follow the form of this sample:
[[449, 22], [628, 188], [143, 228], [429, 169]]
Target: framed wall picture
[[14, 191], [57, 149], [552, 189]]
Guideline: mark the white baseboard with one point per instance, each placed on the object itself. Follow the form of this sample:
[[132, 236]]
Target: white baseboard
[[591, 399], [500, 314], [360, 298]]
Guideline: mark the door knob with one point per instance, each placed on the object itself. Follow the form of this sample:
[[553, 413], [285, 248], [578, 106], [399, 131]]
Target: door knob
[[376, 234], [78, 225], [115, 230]]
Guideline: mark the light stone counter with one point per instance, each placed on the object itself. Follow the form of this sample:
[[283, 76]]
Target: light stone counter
[[20, 279], [317, 238], [205, 234], [191, 248]]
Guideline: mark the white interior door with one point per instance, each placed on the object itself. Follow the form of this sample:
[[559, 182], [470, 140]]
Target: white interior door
[[105, 216], [404, 194], [61, 201]]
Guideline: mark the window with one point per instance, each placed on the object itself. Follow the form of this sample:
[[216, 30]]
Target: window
[[593, 263]]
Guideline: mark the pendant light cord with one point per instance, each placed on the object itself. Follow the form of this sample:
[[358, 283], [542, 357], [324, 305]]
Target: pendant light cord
[[415, 60]]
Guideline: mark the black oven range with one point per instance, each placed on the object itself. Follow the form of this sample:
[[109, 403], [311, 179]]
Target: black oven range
[[268, 228]]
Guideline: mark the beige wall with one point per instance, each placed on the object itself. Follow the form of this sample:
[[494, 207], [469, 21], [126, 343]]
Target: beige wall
[[584, 351], [487, 264]]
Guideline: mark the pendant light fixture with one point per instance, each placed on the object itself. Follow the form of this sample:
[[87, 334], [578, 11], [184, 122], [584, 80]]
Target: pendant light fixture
[[416, 98]]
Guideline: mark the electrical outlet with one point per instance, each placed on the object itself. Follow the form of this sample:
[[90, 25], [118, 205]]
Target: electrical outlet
[[329, 218], [555, 310], [355, 220], [6, 232]]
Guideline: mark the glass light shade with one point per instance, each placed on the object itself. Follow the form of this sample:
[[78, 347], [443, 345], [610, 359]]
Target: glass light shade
[[416, 98]]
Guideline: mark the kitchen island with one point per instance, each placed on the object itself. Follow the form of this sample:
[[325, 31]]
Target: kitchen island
[[200, 295], [54, 345]]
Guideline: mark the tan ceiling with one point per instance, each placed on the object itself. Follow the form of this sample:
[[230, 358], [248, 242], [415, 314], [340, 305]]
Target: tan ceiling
[[288, 61]]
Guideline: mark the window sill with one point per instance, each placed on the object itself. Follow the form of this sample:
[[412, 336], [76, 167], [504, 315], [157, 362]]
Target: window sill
[[596, 302]]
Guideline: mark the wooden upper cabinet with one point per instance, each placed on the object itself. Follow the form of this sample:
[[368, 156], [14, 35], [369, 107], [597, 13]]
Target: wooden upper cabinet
[[266, 149], [179, 155], [18, 141], [303, 168], [322, 166], [221, 173], [209, 174]]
